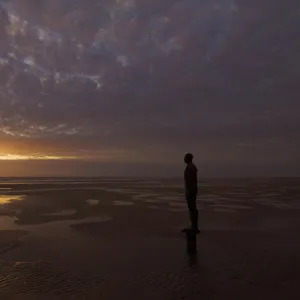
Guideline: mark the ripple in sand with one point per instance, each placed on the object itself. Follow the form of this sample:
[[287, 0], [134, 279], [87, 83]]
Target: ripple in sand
[[142, 196], [281, 205], [152, 201], [174, 204], [211, 196], [10, 239], [153, 207], [90, 221], [65, 212], [92, 202], [177, 209], [146, 186], [228, 206], [123, 203], [209, 200], [42, 278], [170, 198], [229, 199], [266, 200], [275, 194], [224, 210], [120, 191]]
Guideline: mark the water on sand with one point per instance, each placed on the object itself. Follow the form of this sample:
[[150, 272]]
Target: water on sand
[[91, 237]]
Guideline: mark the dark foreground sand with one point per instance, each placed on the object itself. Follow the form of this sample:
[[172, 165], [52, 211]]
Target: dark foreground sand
[[123, 240]]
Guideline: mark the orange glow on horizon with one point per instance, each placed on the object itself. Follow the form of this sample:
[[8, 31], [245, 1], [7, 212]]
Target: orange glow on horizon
[[34, 157]]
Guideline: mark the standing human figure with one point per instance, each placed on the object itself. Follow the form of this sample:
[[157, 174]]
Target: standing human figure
[[191, 189]]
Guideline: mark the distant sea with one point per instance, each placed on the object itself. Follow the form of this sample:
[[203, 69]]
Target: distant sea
[[285, 188], [224, 196]]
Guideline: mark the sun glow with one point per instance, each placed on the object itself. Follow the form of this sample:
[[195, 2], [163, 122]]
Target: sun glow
[[6, 199], [34, 157]]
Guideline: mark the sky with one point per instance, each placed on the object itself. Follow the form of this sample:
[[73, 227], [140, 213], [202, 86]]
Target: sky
[[126, 87]]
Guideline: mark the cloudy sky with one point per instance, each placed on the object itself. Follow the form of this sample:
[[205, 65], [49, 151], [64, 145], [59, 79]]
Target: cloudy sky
[[126, 87]]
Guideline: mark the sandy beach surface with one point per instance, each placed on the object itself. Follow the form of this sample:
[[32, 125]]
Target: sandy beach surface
[[121, 239]]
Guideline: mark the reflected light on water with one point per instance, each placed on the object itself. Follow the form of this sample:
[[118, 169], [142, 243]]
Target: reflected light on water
[[92, 202], [6, 199]]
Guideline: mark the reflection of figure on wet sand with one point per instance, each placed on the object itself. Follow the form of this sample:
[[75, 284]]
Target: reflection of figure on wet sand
[[191, 246], [191, 190], [193, 260]]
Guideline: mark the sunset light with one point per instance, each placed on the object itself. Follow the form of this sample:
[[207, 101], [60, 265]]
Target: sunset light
[[149, 149], [7, 199], [34, 157]]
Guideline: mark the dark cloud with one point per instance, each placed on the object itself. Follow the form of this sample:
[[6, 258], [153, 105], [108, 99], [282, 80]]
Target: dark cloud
[[148, 80]]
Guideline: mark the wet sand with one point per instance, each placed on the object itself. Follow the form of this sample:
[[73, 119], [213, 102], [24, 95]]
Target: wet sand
[[115, 240]]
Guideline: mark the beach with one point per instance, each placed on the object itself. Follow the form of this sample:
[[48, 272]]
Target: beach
[[91, 238]]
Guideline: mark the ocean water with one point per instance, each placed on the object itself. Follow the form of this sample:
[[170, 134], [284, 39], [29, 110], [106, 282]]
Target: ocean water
[[220, 194]]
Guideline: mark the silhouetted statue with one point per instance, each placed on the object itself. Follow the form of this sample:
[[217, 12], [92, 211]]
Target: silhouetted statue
[[191, 190]]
